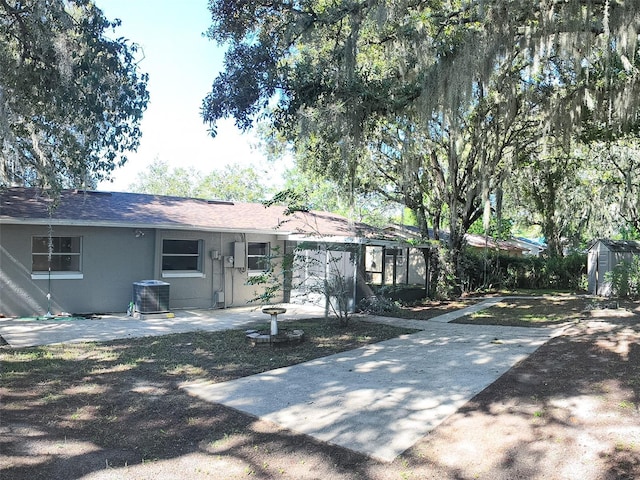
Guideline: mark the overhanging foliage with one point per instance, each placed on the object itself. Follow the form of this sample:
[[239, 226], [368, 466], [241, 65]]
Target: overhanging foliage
[[71, 97]]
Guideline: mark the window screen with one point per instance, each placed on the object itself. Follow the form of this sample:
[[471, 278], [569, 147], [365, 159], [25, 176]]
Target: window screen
[[257, 256], [182, 255], [66, 254]]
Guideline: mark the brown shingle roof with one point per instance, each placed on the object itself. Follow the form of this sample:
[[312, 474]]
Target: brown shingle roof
[[29, 206]]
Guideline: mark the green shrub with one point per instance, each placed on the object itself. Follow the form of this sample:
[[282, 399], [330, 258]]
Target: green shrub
[[526, 272], [625, 278], [378, 304]]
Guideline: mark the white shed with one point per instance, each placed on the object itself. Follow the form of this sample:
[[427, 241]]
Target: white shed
[[604, 255]]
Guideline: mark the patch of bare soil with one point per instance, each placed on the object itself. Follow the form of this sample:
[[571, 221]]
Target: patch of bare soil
[[569, 411]]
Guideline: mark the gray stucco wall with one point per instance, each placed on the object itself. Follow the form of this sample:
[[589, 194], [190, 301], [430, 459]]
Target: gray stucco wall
[[417, 267], [114, 258], [237, 292]]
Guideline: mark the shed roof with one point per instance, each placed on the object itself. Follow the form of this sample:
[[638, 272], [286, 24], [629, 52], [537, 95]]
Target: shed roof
[[620, 246], [95, 208]]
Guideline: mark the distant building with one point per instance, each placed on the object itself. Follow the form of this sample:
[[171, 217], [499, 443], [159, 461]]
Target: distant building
[[530, 246], [473, 241]]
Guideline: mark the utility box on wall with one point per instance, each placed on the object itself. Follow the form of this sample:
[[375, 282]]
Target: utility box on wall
[[239, 254]]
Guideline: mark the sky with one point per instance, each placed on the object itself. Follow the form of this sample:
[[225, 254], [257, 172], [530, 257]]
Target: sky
[[182, 65]]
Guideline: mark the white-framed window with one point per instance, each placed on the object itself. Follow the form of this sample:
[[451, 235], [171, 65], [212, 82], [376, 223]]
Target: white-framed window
[[181, 257], [58, 257], [257, 257]]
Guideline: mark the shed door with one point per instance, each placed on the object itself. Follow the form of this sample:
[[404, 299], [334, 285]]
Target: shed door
[[604, 266], [592, 270]]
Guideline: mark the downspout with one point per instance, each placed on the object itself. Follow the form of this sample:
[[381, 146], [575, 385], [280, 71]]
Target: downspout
[[427, 272], [50, 254], [213, 292], [356, 263]]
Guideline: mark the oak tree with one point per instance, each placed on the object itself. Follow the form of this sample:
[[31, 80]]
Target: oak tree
[[465, 88], [71, 95]]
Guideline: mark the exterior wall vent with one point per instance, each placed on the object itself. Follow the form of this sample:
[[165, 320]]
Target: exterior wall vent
[[92, 192]]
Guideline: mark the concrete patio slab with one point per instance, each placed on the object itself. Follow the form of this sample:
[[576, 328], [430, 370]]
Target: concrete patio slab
[[21, 333]]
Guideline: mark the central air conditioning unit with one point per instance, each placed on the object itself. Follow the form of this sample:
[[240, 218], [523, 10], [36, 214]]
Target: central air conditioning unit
[[151, 296]]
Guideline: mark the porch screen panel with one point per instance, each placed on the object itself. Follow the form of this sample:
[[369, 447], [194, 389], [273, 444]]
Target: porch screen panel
[[373, 264], [401, 267], [395, 268]]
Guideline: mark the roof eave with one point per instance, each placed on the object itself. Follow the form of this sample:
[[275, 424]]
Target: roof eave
[[157, 226]]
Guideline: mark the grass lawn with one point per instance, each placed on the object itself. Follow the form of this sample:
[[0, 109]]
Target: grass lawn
[[220, 356], [520, 312]]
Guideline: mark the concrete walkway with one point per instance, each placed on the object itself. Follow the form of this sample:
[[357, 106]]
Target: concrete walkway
[[378, 400], [381, 399]]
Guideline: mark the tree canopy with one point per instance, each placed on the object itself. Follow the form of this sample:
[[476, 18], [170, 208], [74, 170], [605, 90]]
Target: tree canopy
[[434, 104], [362, 59], [71, 97], [233, 183]]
